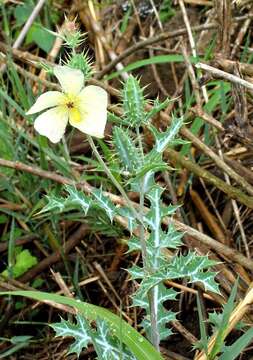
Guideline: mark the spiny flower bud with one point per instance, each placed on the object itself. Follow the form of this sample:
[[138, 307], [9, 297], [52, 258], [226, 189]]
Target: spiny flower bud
[[81, 62], [70, 27], [71, 34]]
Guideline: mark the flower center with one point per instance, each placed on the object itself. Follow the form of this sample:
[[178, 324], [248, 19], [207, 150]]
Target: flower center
[[70, 101], [70, 104]]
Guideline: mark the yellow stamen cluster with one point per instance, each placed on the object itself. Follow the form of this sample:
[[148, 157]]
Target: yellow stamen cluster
[[71, 104]]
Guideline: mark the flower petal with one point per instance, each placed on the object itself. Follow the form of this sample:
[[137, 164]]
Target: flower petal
[[71, 80], [52, 123], [45, 101], [93, 104]]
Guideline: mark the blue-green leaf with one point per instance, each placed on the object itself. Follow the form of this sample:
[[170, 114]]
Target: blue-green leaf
[[126, 150], [78, 331], [104, 203], [77, 198], [191, 266], [133, 244], [160, 295], [133, 102], [136, 272], [164, 139]]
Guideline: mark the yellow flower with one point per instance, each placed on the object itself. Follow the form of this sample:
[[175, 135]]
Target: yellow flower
[[83, 107]]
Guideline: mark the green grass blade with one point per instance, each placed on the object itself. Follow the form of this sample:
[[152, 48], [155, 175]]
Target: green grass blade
[[11, 102], [228, 308], [203, 336], [139, 346], [125, 20], [160, 59], [231, 352], [215, 98], [13, 350], [11, 249]]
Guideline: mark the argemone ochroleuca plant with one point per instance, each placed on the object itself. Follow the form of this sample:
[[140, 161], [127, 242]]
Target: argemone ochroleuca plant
[[138, 168], [83, 107]]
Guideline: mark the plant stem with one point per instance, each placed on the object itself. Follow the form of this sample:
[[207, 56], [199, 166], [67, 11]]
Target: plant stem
[[141, 209], [149, 270], [142, 230], [155, 338], [139, 216], [112, 178]]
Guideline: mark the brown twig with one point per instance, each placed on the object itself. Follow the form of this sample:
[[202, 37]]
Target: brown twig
[[207, 118], [224, 15], [224, 75], [208, 217]]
